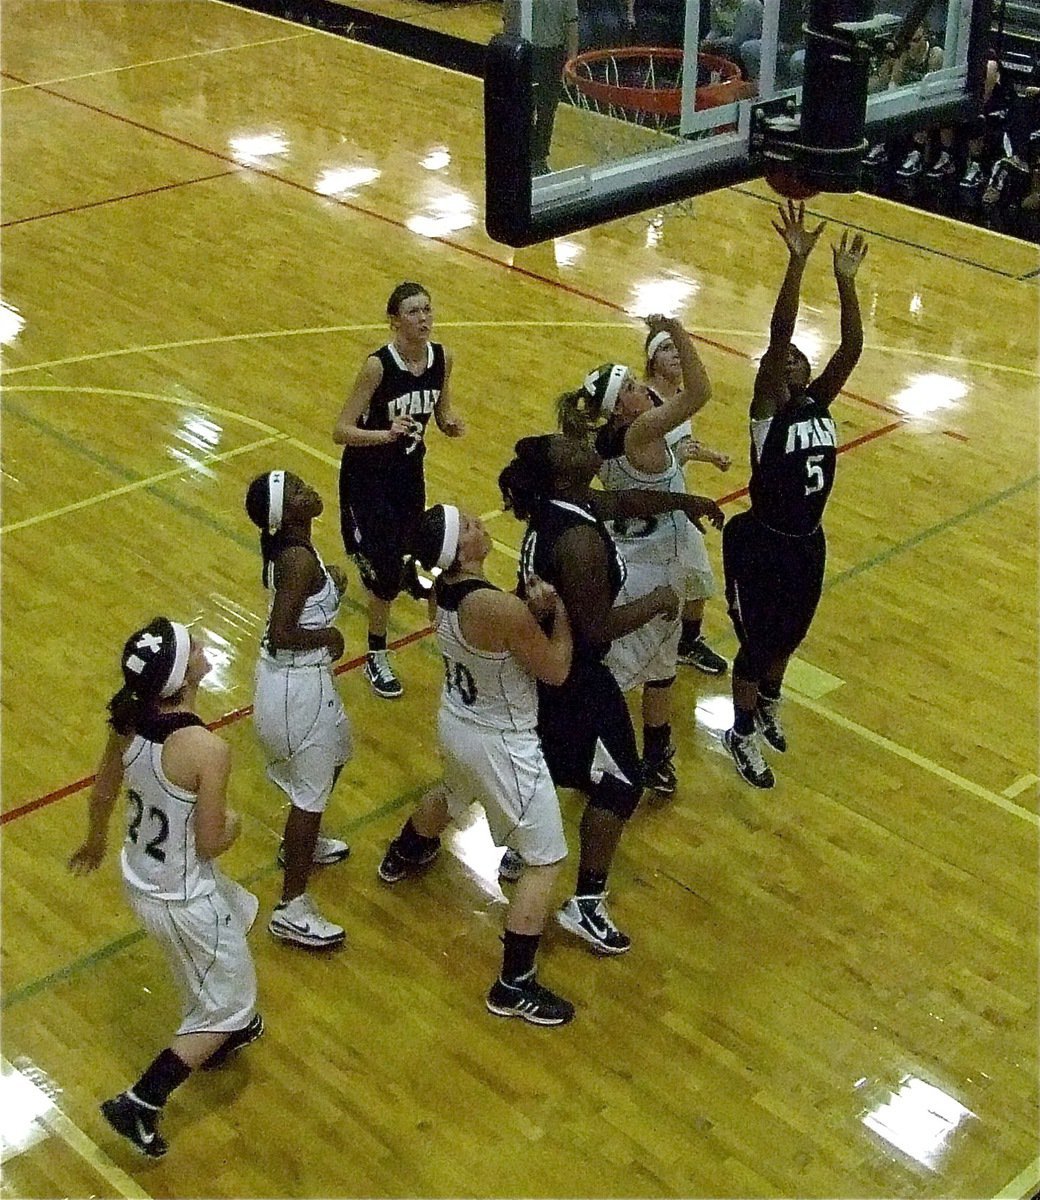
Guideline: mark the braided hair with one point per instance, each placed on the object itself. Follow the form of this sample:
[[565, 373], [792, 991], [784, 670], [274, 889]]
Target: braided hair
[[258, 507], [529, 479]]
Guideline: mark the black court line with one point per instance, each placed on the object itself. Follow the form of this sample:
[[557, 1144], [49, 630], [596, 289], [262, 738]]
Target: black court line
[[426, 45], [1030, 274], [890, 237]]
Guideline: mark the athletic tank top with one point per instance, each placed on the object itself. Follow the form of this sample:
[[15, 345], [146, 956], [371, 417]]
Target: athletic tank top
[[319, 612], [159, 856], [642, 539], [483, 687], [537, 557], [399, 394], [793, 455]]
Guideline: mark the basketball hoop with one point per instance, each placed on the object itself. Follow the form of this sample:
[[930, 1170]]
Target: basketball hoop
[[643, 84]]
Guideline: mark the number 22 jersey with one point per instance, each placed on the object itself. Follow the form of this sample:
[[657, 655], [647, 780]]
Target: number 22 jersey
[[159, 857]]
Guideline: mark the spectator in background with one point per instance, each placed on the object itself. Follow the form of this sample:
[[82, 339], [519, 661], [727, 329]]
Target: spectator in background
[[733, 23], [604, 23], [554, 39], [790, 46]]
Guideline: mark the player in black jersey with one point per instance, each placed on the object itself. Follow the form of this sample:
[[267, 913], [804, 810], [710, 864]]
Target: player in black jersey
[[382, 489], [774, 554], [584, 724]]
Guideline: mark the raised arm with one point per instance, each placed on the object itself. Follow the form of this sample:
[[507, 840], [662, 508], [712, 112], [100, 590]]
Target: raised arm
[[103, 795], [833, 377], [771, 381], [651, 426]]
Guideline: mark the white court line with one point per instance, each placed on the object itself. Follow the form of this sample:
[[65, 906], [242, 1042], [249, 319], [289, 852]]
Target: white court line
[[137, 485], [1023, 1185], [67, 1131], [1019, 786], [934, 768], [155, 62]]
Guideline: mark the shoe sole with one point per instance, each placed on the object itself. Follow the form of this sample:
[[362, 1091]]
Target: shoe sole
[[579, 930], [319, 862], [230, 1053], [308, 941], [530, 1018], [704, 670]]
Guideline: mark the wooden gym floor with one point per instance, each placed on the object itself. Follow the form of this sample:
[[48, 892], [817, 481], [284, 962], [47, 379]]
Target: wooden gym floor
[[832, 991]]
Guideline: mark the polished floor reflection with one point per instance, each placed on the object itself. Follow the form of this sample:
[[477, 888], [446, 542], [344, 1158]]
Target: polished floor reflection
[[832, 990]]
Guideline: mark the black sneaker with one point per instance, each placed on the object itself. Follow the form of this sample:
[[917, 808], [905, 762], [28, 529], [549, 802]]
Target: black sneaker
[[700, 655], [767, 722], [748, 759], [236, 1041], [530, 1002], [138, 1123], [381, 675], [395, 866], [587, 917], [659, 774]]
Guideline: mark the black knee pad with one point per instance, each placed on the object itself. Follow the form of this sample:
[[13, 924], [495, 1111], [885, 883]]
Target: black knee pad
[[615, 796]]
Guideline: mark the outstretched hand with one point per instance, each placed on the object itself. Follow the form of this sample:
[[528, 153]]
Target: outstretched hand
[[848, 258], [799, 240]]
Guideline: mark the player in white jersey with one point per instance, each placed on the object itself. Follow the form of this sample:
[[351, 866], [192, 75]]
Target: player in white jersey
[[495, 646], [176, 773], [664, 377], [633, 444], [297, 711]]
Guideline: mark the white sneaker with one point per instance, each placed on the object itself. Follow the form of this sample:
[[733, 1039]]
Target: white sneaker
[[326, 852], [381, 675], [299, 921]]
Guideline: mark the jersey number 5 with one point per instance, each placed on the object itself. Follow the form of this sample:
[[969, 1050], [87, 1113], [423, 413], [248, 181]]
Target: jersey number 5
[[154, 848], [814, 474]]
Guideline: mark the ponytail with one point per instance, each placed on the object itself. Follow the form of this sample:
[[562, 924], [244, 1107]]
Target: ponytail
[[574, 413]]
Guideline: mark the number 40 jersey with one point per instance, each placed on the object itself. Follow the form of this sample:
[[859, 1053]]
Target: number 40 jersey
[[482, 687], [159, 857]]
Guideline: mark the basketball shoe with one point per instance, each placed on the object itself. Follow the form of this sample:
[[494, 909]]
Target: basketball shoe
[[381, 675], [235, 1041], [529, 1001], [299, 921], [767, 722], [395, 866], [587, 917], [326, 852], [137, 1122], [748, 759]]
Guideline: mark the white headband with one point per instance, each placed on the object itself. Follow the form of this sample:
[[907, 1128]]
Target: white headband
[[610, 393], [275, 500], [450, 545], [179, 669], [655, 344]]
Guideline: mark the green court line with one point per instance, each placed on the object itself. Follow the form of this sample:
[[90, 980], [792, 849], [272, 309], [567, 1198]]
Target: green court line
[[925, 534], [88, 961]]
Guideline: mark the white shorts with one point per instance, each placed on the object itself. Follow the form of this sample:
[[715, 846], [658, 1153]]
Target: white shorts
[[650, 652], [506, 773], [303, 727], [700, 579], [205, 944]]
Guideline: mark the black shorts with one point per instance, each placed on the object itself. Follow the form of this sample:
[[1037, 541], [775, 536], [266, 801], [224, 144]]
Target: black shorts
[[378, 519], [773, 585], [586, 730]]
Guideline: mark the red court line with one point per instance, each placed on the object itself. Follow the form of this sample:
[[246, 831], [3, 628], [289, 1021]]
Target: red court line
[[163, 187], [227, 719], [472, 251], [352, 664]]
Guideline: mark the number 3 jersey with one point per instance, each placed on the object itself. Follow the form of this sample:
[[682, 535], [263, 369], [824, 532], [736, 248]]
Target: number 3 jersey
[[793, 455], [482, 687], [159, 857]]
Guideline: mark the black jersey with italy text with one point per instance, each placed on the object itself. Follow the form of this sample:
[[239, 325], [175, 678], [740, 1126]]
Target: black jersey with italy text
[[538, 557], [793, 455], [400, 394]]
